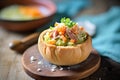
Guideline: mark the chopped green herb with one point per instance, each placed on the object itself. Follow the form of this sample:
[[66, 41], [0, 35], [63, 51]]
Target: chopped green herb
[[68, 22]]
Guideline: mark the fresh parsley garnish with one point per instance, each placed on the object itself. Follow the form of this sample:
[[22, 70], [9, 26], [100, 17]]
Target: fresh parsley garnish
[[68, 22]]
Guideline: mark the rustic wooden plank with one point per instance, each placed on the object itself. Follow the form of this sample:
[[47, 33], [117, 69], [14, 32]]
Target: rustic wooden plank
[[10, 65], [6, 59], [4, 70], [21, 75], [6, 55], [16, 71]]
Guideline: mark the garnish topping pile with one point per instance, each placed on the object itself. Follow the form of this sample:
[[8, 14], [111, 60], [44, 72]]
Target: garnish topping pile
[[65, 33]]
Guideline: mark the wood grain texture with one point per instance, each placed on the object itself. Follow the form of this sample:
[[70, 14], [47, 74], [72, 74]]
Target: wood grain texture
[[10, 62], [75, 72]]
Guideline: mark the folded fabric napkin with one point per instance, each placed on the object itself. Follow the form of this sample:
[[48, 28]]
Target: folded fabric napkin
[[107, 38]]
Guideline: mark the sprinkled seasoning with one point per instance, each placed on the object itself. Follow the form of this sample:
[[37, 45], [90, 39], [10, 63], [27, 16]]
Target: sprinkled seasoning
[[53, 70], [61, 69], [40, 62], [39, 70], [32, 59], [54, 66]]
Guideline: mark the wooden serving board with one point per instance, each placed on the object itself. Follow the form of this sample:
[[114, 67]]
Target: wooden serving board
[[45, 72]]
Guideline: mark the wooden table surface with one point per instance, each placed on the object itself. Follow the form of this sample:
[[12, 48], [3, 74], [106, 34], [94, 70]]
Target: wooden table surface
[[10, 61]]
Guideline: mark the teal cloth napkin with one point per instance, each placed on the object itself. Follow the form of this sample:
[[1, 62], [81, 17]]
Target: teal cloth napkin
[[70, 8], [107, 38]]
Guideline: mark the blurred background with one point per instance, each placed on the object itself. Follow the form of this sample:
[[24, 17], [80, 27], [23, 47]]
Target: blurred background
[[101, 18]]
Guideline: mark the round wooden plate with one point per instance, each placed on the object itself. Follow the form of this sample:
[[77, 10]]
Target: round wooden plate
[[41, 69]]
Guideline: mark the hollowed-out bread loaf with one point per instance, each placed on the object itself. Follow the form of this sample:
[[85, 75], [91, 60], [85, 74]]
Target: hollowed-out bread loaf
[[64, 55]]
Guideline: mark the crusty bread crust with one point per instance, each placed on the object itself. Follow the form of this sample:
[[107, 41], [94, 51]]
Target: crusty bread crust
[[64, 55]]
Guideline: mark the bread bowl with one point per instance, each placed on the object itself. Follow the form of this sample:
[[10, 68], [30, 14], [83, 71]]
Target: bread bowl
[[64, 55]]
